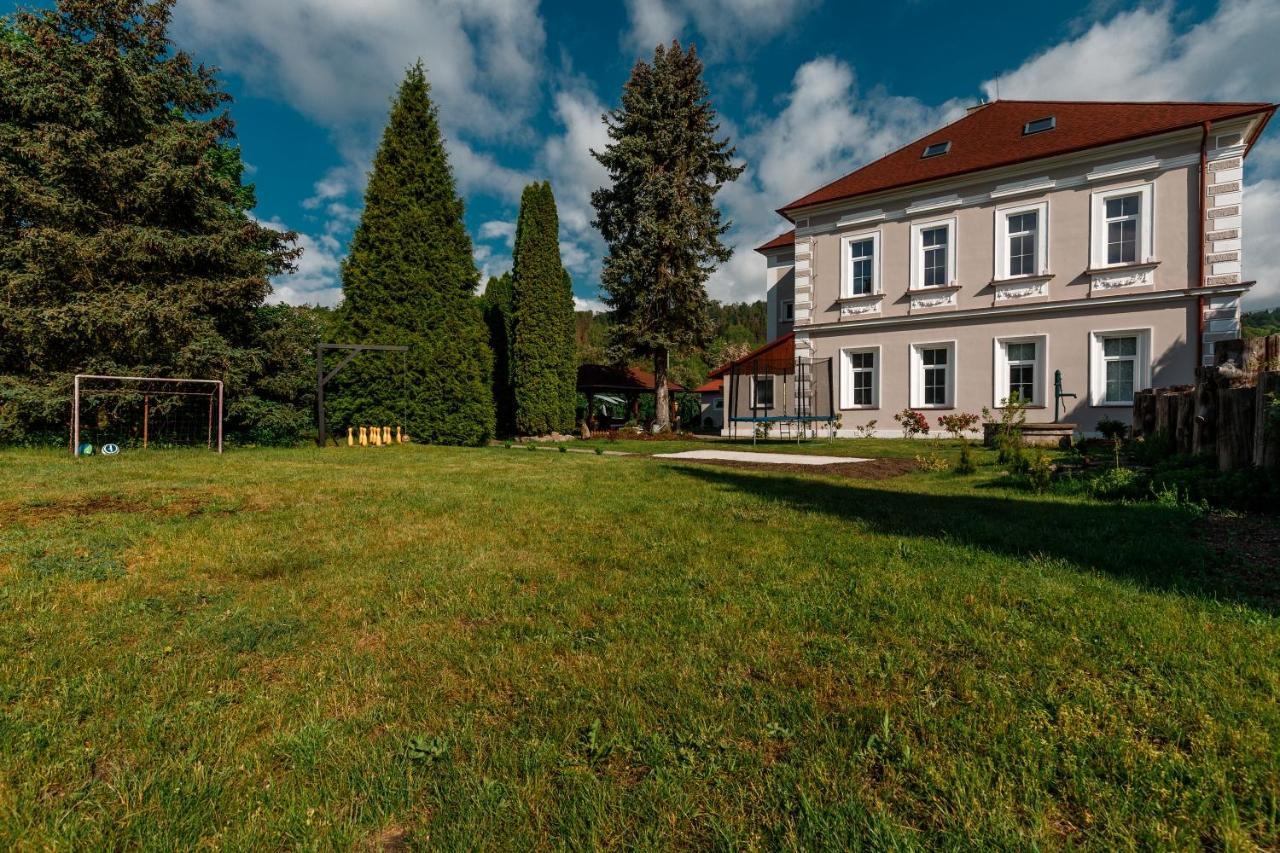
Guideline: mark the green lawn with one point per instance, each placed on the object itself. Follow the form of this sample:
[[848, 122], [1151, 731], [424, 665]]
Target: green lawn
[[862, 447], [492, 648]]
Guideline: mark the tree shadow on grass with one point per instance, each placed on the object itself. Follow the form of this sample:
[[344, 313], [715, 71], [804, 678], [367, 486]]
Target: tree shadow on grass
[[1148, 544]]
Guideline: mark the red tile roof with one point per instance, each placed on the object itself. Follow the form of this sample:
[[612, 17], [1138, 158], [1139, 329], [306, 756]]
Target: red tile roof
[[991, 136], [605, 377], [782, 241], [711, 386], [782, 348]]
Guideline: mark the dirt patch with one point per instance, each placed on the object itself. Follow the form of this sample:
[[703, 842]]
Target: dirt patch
[[872, 469], [163, 505], [392, 838], [1252, 541]]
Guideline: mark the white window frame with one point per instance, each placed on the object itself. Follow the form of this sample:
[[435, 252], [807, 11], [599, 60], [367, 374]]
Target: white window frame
[[1000, 389], [1146, 225], [917, 375], [846, 378], [917, 252], [1002, 255], [773, 385], [846, 266], [1097, 364]]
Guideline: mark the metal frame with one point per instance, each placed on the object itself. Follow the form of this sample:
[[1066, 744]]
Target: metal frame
[[801, 371], [75, 401], [322, 378]]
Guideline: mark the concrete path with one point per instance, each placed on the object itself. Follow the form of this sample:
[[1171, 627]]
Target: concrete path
[[749, 456]]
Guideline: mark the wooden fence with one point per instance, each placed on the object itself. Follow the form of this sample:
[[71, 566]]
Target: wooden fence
[[1224, 413]]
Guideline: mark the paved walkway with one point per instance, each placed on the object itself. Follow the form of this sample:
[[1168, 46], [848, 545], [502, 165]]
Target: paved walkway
[[748, 456]]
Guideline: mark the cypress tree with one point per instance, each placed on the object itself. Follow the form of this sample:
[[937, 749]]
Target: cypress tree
[[125, 242], [659, 217], [498, 317], [410, 279], [542, 369]]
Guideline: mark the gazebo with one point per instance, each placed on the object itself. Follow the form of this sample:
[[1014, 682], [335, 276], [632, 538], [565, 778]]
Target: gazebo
[[629, 383]]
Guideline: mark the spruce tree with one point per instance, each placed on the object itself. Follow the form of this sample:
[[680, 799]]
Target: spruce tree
[[410, 279], [659, 217], [125, 242], [542, 369], [496, 304]]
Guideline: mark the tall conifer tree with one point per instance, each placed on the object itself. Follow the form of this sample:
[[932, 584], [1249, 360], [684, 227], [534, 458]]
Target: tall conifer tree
[[659, 217], [125, 242], [542, 366], [410, 279], [498, 316]]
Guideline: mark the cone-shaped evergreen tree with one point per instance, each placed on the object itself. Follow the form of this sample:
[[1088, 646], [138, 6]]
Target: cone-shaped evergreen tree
[[496, 304], [410, 279], [125, 243], [542, 368], [659, 216]]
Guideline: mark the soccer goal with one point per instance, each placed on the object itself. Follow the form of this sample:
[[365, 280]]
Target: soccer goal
[[113, 414]]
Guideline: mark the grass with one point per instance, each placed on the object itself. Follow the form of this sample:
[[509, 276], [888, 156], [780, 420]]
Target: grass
[[823, 446], [486, 648]]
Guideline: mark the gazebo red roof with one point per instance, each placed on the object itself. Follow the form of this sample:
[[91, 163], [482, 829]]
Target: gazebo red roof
[[711, 386], [781, 348], [607, 377]]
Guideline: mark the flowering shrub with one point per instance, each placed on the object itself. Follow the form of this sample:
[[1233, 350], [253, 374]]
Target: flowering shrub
[[867, 430], [958, 423], [912, 422]]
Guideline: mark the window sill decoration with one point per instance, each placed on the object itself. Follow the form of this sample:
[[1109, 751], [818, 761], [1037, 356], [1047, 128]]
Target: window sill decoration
[[1027, 289], [934, 298], [1122, 276], [860, 305]]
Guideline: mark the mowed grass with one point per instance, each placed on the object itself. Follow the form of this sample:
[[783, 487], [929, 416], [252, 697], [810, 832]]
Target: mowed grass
[[497, 649]]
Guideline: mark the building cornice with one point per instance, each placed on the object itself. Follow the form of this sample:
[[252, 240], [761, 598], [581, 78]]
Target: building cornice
[[1075, 305]]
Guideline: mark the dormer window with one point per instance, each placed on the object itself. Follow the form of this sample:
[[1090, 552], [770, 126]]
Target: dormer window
[[1039, 125], [935, 149]]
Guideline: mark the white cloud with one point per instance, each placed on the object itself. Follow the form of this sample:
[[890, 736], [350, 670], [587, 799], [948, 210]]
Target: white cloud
[[725, 26], [580, 304], [316, 280], [339, 62], [497, 228], [1138, 55]]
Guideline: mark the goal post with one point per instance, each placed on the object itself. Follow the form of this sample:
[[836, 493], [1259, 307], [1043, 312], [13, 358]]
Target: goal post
[[116, 412]]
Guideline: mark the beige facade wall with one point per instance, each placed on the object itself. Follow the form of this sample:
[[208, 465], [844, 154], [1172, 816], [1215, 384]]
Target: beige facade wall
[[781, 290], [1174, 190], [1067, 337]]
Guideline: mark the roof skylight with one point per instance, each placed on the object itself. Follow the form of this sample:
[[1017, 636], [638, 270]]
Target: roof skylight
[[936, 148], [1039, 125]]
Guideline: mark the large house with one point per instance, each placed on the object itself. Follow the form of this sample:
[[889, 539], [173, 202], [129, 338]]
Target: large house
[[1028, 238]]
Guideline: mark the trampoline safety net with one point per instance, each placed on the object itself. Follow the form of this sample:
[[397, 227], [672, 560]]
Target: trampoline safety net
[[789, 391]]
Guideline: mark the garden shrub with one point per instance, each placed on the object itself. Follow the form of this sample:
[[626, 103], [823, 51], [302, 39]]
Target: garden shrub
[[1112, 429], [966, 464], [913, 423], [1040, 471]]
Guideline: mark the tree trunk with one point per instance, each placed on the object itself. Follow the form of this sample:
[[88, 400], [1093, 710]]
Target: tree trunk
[[662, 409]]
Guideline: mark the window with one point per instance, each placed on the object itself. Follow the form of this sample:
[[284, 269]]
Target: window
[[1122, 229], [933, 250], [862, 256], [934, 243], [936, 148], [933, 375], [1022, 243], [788, 311], [762, 392], [861, 385], [1039, 125], [1020, 368], [861, 273], [1120, 366]]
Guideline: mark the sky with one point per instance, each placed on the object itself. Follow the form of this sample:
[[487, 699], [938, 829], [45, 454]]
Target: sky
[[806, 91]]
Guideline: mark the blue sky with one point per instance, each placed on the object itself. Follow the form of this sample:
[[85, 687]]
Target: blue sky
[[807, 90]]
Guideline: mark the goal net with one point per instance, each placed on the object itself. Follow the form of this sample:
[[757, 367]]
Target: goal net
[[115, 414]]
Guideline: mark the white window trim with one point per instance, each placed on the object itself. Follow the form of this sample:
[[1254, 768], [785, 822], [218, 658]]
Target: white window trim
[[917, 251], [1041, 209], [1146, 225], [1000, 387], [917, 375], [772, 380], [846, 266], [1097, 370], [846, 378]]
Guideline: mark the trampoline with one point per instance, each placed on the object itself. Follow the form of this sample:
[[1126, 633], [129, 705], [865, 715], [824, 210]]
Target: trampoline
[[779, 389]]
